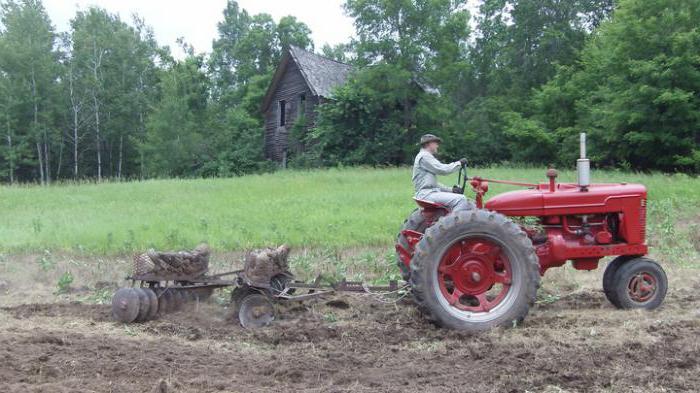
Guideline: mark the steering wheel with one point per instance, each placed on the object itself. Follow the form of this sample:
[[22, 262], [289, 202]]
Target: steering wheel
[[462, 177]]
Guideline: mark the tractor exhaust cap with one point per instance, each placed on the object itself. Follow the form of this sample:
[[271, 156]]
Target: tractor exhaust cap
[[583, 166]]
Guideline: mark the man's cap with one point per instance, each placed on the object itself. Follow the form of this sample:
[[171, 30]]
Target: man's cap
[[427, 138]]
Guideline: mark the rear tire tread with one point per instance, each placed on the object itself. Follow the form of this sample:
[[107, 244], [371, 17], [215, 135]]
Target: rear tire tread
[[448, 223]]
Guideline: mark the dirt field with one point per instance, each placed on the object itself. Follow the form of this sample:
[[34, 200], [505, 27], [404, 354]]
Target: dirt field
[[573, 341]]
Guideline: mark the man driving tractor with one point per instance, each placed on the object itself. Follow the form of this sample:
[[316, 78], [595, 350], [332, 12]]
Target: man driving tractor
[[425, 170]]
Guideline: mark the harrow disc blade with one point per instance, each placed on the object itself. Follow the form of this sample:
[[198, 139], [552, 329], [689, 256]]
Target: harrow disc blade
[[256, 311], [144, 304], [153, 300], [125, 305], [179, 299], [189, 295], [193, 296], [204, 293], [165, 302]]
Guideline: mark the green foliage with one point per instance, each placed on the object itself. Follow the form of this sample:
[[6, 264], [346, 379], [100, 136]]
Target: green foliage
[[64, 283], [527, 140], [176, 132], [522, 41], [29, 69], [477, 132], [338, 52], [373, 119], [249, 46], [46, 261], [517, 47], [416, 36], [644, 110], [100, 296]]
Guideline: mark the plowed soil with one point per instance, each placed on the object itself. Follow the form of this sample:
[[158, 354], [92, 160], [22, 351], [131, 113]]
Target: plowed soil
[[572, 341]]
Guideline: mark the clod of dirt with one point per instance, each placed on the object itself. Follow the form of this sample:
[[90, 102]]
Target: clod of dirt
[[342, 304], [4, 285]]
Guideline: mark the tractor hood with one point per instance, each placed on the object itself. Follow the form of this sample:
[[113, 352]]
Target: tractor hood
[[566, 199]]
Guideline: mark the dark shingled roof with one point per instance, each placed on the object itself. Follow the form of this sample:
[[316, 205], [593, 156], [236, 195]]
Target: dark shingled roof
[[321, 74]]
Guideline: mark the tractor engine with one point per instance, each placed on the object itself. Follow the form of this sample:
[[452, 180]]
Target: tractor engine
[[577, 225], [579, 222]]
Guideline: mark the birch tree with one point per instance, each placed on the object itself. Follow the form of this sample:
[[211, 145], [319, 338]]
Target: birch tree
[[29, 59]]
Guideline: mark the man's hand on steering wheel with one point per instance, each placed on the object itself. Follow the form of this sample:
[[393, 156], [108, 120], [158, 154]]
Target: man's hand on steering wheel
[[463, 161]]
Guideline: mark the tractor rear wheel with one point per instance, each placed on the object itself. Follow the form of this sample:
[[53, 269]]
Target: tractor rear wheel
[[475, 270], [639, 283], [414, 222], [609, 274]]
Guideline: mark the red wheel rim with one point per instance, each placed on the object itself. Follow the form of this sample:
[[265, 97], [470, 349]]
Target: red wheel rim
[[475, 275], [641, 287]]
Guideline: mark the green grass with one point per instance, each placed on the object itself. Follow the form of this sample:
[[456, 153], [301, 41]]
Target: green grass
[[333, 209]]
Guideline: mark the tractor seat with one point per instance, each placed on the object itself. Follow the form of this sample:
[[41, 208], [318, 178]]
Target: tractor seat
[[429, 205]]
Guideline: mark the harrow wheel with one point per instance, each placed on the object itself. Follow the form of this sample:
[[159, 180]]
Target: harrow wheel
[[256, 311], [125, 305], [237, 296], [639, 283], [475, 270], [153, 300], [144, 305]]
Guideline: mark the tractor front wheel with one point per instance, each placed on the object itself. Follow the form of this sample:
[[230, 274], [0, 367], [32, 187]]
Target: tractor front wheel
[[609, 275], [639, 283], [475, 270]]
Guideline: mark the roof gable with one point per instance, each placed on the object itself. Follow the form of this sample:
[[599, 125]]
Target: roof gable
[[320, 73]]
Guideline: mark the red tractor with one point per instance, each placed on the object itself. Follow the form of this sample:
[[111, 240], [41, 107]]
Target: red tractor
[[474, 270]]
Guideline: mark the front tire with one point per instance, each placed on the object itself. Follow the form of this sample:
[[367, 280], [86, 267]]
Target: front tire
[[639, 283], [609, 275], [475, 270]]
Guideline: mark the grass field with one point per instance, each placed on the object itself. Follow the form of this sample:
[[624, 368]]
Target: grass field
[[328, 209]]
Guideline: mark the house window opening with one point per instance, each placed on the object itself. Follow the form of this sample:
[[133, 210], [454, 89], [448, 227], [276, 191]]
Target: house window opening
[[283, 112], [302, 105]]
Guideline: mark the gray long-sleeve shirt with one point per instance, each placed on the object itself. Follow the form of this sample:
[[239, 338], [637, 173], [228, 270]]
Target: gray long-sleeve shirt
[[426, 168]]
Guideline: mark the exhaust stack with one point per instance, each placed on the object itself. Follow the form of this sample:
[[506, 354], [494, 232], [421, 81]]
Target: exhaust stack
[[583, 166]]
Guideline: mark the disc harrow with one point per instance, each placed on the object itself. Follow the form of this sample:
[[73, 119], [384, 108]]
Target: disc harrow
[[145, 303], [264, 281]]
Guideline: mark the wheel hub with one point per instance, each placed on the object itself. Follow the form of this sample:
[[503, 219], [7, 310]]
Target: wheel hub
[[474, 275], [642, 287], [471, 276]]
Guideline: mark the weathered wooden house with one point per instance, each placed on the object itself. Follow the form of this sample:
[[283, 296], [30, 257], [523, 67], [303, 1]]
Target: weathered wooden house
[[302, 81]]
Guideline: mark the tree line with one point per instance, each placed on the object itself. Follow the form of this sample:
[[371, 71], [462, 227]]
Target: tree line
[[522, 85], [515, 82]]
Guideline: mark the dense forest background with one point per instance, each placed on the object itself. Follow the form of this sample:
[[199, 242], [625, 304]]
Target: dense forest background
[[515, 82]]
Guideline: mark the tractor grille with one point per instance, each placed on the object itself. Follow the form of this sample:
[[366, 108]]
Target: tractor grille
[[643, 220]]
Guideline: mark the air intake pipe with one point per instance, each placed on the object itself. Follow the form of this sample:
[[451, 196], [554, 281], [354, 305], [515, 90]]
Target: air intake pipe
[[583, 166]]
